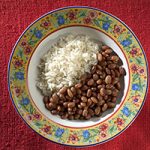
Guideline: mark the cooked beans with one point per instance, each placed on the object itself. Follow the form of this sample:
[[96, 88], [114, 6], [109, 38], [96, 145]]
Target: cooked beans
[[118, 86], [85, 112], [97, 110], [100, 103], [115, 92], [104, 108], [108, 51], [114, 99], [68, 97], [96, 92], [54, 112], [99, 57], [51, 105], [99, 81], [111, 105], [108, 79], [77, 116], [122, 71], [88, 117], [89, 102], [91, 112], [93, 69], [95, 77], [64, 116], [90, 82], [69, 109], [115, 58], [73, 90], [105, 97], [54, 98], [102, 91], [80, 111], [108, 71], [71, 104], [83, 104], [112, 66], [99, 97], [84, 88], [93, 89], [117, 73], [79, 92], [69, 92], [105, 47], [45, 99], [89, 93], [108, 92], [99, 72], [99, 67], [79, 106], [94, 100], [70, 117], [84, 99], [63, 90], [61, 96], [79, 85], [47, 106], [59, 108]]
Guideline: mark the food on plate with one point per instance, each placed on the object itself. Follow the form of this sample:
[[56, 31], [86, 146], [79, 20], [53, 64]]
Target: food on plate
[[65, 62], [80, 78]]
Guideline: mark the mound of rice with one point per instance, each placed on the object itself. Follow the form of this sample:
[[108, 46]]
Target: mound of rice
[[65, 62]]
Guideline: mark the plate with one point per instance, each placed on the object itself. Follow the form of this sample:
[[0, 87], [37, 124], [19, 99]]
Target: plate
[[35, 41]]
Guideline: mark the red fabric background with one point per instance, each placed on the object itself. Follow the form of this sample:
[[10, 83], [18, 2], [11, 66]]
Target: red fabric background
[[15, 16]]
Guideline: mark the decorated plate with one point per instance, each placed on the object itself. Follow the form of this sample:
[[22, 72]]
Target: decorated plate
[[34, 43]]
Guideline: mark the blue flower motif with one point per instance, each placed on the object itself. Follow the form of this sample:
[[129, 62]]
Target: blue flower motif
[[19, 75], [135, 87], [86, 134], [25, 101], [135, 100], [61, 20], [106, 25], [126, 42], [128, 32], [59, 132], [38, 34], [126, 111], [31, 30]]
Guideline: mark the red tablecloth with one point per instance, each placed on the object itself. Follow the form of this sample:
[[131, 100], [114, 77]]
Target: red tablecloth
[[15, 16]]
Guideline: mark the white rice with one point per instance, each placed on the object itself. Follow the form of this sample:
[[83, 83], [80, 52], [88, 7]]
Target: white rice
[[66, 61]]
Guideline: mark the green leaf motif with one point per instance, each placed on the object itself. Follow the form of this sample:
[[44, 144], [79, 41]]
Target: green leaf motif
[[32, 43], [31, 109], [94, 130], [140, 84], [109, 21], [96, 23], [139, 61], [38, 124], [86, 140], [20, 53], [82, 14], [135, 77], [111, 129], [24, 107]]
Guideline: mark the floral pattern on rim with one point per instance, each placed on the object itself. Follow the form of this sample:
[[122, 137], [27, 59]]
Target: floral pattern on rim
[[95, 19]]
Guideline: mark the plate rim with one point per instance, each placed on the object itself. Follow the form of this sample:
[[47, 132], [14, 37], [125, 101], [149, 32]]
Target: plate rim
[[87, 7]]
